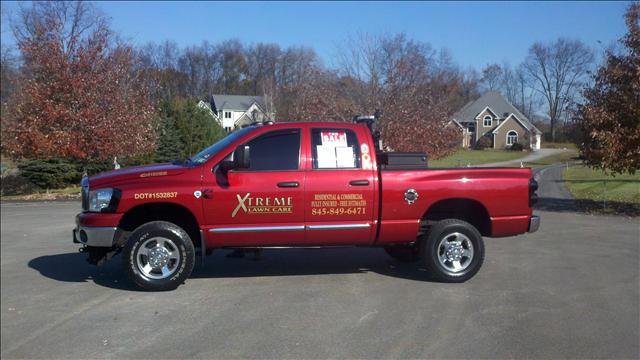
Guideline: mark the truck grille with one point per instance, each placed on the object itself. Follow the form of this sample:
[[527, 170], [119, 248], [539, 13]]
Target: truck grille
[[85, 193]]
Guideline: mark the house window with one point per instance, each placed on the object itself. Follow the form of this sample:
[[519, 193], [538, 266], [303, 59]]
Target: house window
[[487, 121], [227, 114], [512, 138]]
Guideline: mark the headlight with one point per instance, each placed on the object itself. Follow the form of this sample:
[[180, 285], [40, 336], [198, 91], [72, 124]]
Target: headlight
[[101, 200]]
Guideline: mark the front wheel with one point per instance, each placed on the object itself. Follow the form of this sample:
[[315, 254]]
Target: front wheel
[[453, 250], [159, 256]]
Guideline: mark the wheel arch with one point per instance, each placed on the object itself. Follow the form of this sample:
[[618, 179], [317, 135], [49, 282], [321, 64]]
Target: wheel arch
[[469, 210], [162, 211]]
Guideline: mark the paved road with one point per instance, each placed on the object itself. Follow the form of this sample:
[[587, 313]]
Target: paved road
[[567, 291], [532, 156]]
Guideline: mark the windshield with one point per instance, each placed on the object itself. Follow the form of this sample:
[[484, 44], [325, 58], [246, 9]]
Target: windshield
[[207, 153]]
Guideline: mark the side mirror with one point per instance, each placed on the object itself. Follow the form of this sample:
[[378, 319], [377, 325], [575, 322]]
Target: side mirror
[[242, 157], [241, 160]]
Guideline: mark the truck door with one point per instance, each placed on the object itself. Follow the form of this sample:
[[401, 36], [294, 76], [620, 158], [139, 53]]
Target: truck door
[[340, 190], [262, 205]]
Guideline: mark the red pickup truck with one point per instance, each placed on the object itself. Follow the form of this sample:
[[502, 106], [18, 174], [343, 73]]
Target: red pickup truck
[[296, 185]]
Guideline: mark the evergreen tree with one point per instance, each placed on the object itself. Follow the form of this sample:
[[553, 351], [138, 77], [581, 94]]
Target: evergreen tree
[[184, 129]]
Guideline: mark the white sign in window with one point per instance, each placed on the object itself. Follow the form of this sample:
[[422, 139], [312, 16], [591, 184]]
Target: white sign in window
[[330, 157], [345, 157], [326, 157]]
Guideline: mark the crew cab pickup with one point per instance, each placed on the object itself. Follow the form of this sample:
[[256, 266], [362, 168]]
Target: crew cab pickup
[[299, 185]]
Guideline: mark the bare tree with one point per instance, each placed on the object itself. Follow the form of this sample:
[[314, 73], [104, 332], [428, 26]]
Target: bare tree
[[69, 22], [382, 65], [558, 70], [8, 73], [517, 87], [491, 77], [262, 63], [408, 81]]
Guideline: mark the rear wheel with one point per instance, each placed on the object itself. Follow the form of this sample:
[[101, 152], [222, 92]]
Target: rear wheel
[[403, 253], [159, 256], [453, 250]]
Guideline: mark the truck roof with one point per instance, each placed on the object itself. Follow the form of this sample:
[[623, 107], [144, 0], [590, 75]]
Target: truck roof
[[291, 124]]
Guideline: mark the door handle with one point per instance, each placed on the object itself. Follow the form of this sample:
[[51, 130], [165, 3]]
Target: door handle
[[288, 184], [359, 182]]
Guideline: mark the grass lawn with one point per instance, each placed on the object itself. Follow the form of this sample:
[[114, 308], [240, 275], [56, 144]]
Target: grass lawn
[[587, 183], [565, 145], [593, 187], [564, 157], [69, 193], [463, 157]]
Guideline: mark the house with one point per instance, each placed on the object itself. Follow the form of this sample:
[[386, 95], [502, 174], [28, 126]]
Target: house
[[235, 111], [494, 117]]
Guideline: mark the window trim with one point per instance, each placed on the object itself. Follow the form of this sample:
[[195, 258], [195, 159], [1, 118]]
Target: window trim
[[484, 121], [313, 154], [507, 138]]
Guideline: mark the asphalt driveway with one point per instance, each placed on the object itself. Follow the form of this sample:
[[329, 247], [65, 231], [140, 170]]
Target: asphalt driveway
[[570, 290]]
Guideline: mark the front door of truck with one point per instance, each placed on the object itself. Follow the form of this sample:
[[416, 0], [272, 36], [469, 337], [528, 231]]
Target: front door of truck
[[340, 189], [261, 205]]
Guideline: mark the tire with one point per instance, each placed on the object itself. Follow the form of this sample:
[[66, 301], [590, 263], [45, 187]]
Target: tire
[[158, 256], [465, 246], [403, 253]]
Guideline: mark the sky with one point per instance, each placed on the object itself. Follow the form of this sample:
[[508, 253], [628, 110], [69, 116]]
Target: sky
[[475, 33]]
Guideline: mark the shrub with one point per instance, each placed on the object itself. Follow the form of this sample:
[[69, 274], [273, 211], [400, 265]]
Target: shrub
[[50, 173], [483, 143], [59, 173], [516, 147]]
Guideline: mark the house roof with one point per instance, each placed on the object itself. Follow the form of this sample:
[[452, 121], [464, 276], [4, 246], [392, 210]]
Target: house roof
[[498, 105], [455, 122], [235, 102], [505, 121]]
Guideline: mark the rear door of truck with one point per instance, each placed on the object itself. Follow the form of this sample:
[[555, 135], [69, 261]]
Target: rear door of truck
[[340, 187]]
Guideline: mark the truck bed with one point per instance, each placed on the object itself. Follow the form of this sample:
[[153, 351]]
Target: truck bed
[[503, 193]]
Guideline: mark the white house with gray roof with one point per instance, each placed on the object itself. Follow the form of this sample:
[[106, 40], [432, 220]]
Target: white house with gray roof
[[494, 117], [235, 111]]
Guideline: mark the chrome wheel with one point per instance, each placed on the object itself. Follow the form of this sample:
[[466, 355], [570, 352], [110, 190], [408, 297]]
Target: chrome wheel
[[157, 258], [455, 252]]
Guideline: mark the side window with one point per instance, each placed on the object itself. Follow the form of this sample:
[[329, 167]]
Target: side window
[[335, 149], [275, 151]]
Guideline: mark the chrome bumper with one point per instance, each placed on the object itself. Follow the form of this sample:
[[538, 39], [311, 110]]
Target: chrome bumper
[[534, 223], [95, 236]]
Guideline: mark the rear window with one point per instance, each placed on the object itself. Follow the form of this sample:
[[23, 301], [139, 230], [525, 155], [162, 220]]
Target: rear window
[[335, 148]]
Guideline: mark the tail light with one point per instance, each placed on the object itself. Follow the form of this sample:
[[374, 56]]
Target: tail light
[[533, 197]]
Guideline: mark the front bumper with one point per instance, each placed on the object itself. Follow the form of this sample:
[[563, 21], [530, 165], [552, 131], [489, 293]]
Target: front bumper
[[95, 236], [97, 229], [534, 223]]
